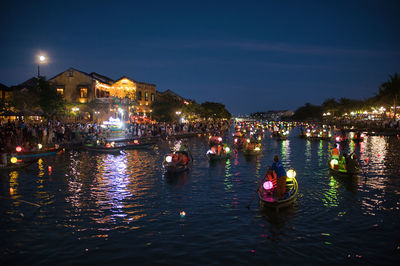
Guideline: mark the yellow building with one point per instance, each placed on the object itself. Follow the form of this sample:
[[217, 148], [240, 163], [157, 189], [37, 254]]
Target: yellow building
[[79, 87], [144, 93]]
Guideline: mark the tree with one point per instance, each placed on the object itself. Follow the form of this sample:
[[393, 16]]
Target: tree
[[389, 91], [330, 105], [192, 110], [214, 111], [49, 100], [165, 107], [308, 111]]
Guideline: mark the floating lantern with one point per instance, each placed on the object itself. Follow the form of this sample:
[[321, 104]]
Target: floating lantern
[[182, 214], [227, 149], [338, 139], [219, 139], [334, 162], [236, 140], [49, 168], [291, 173], [18, 148], [248, 140], [257, 149], [112, 144], [14, 160], [108, 145], [268, 185], [40, 146], [136, 141], [168, 159]]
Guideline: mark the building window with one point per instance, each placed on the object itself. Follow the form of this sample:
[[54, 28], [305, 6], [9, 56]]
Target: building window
[[71, 73], [83, 92], [60, 91], [152, 97], [139, 95], [146, 96]]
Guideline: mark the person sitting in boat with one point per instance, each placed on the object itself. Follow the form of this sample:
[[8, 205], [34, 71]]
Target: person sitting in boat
[[280, 171], [335, 153], [350, 162]]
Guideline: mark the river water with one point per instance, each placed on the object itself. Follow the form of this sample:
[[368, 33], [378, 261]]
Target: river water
[[109, 209]]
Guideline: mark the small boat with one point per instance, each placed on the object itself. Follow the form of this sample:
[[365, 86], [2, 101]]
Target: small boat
[[171, 167], [250, 152], [116, 149], [16, 166], [39, 153], [132, 145], [216, 157], [347, 167], [269, 200]]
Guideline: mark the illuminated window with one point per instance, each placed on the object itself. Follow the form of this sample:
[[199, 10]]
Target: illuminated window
[[152, 97], [83, 92], [60, 91], [146, 96], [139, 95]]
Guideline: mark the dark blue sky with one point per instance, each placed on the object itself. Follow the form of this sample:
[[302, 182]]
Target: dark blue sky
[[249, 55]]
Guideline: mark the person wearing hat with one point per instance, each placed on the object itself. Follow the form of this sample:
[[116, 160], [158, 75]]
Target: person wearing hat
[[280, 171]]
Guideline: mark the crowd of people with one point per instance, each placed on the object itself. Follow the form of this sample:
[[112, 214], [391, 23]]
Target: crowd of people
[[29, 134]]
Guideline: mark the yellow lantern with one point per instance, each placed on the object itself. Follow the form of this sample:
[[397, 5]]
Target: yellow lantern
[[40, 146], [14, 160], [291, 173]]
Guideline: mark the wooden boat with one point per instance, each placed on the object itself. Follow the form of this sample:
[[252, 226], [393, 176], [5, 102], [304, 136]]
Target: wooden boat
[[172, 168], [116, 149], [38, 153], [344, 169], [216, 157], [252, 152], [268, 199], [132, 145], [343, 172], [16, 166]]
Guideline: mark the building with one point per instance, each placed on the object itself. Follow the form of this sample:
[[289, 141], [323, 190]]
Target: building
[[79, 87]]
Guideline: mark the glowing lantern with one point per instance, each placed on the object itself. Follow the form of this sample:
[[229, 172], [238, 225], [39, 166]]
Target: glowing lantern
[[112, 144], [14, 160], [168, 159], [136, 141], [291, 173], [337, 139], [18, 148], [248, 140], [50, 168], [108, 145], [40, 146], [235, 140], [334, 162], [182, 214], [308, 134], [268, 185], [227, 149], [257, 149], [219, 139]]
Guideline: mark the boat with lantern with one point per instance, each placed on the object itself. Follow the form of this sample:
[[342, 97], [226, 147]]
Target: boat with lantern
[[226, 153], [109, 147], [267, 196], [39, 151], [344, 166], [137, 144], [282, 135], [14, 163], [253, 149], [171, 166]]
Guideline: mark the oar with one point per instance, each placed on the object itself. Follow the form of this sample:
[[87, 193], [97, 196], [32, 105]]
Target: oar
[[251, 201]]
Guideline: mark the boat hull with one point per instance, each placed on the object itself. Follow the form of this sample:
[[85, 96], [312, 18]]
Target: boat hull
[[271, 202]]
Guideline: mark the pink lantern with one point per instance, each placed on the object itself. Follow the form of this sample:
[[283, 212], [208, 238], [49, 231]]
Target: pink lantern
[[268, 185], [18, 149]]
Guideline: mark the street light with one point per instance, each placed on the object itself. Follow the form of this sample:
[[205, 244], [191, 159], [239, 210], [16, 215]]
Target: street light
[[42, 60]]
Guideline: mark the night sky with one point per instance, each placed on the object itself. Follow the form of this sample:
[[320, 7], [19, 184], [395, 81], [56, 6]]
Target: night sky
[[249, 55]]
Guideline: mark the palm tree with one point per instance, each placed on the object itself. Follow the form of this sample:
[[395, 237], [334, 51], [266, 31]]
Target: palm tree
[[390, 91]]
